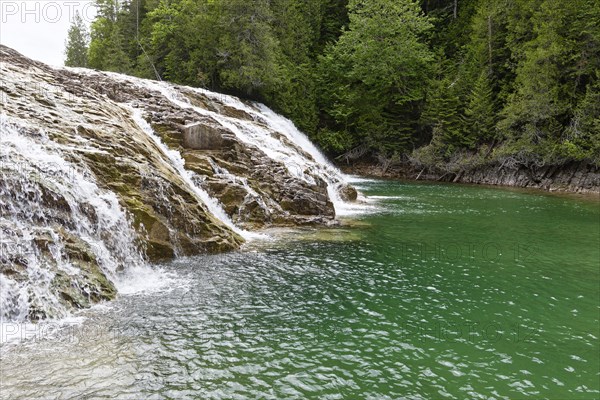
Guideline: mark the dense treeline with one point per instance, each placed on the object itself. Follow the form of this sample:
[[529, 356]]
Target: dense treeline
[[436, 82]]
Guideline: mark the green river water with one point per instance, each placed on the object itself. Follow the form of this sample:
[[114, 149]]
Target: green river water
[[436, 291]]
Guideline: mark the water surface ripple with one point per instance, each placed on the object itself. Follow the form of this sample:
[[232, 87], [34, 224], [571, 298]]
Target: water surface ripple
[[443, 292]]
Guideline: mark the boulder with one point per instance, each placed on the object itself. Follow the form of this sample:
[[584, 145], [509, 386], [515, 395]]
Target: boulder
[[348, 193], [202, 136]]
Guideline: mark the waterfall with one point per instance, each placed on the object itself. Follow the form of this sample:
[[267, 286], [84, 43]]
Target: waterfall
[[297, 153], [67, 240], [48, 205], [296, 162], [177, 162]]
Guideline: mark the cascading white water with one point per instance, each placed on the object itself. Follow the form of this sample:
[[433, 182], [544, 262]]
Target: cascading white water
[[334, 177], [264, 133], [50, 201], [178, 163], [45, 201], [261, 134], [293, 159]]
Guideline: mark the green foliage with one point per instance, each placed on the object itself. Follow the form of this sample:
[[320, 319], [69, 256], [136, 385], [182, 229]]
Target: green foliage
[[336, 141], [525, 81], [107, 47], [372, 77], [76, 46], [246, 47], [443, 116], [438, 79], [549, 77], [582, 138], [480, 112]]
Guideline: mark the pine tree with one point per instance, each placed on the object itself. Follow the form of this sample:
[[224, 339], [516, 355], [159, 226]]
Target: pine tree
[[108, 45], [582, 139], [247, 49], [442, 116], [76, 46], [552, 71], [480, 112], [375, 74]]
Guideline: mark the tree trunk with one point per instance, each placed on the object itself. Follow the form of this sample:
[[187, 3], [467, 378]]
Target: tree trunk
[[455, 9]]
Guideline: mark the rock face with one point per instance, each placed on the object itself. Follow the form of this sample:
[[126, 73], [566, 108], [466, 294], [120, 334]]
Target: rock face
[[579, 177], [259, 175], [203, 136], [348, 193], [576, 177], [127, 170]]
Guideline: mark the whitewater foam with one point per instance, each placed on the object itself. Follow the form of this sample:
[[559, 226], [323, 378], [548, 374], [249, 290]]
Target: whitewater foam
[[177, 162], [35, 172]]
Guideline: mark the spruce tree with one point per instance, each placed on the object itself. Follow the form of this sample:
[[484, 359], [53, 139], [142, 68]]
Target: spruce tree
[[108, 45], [442, 116], [247, 49], [480, 112], [76, 46], [374, 76], [582, 139]]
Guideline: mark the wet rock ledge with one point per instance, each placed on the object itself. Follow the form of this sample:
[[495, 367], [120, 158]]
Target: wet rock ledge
[[87, 116]]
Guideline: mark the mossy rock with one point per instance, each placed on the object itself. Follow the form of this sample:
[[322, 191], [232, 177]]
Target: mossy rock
[[348, 193], [159, 250]]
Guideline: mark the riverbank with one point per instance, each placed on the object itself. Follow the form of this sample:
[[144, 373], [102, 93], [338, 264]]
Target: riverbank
[[574, 177]]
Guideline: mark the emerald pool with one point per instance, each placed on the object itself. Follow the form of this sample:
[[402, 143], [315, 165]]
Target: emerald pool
[[432, 291]]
